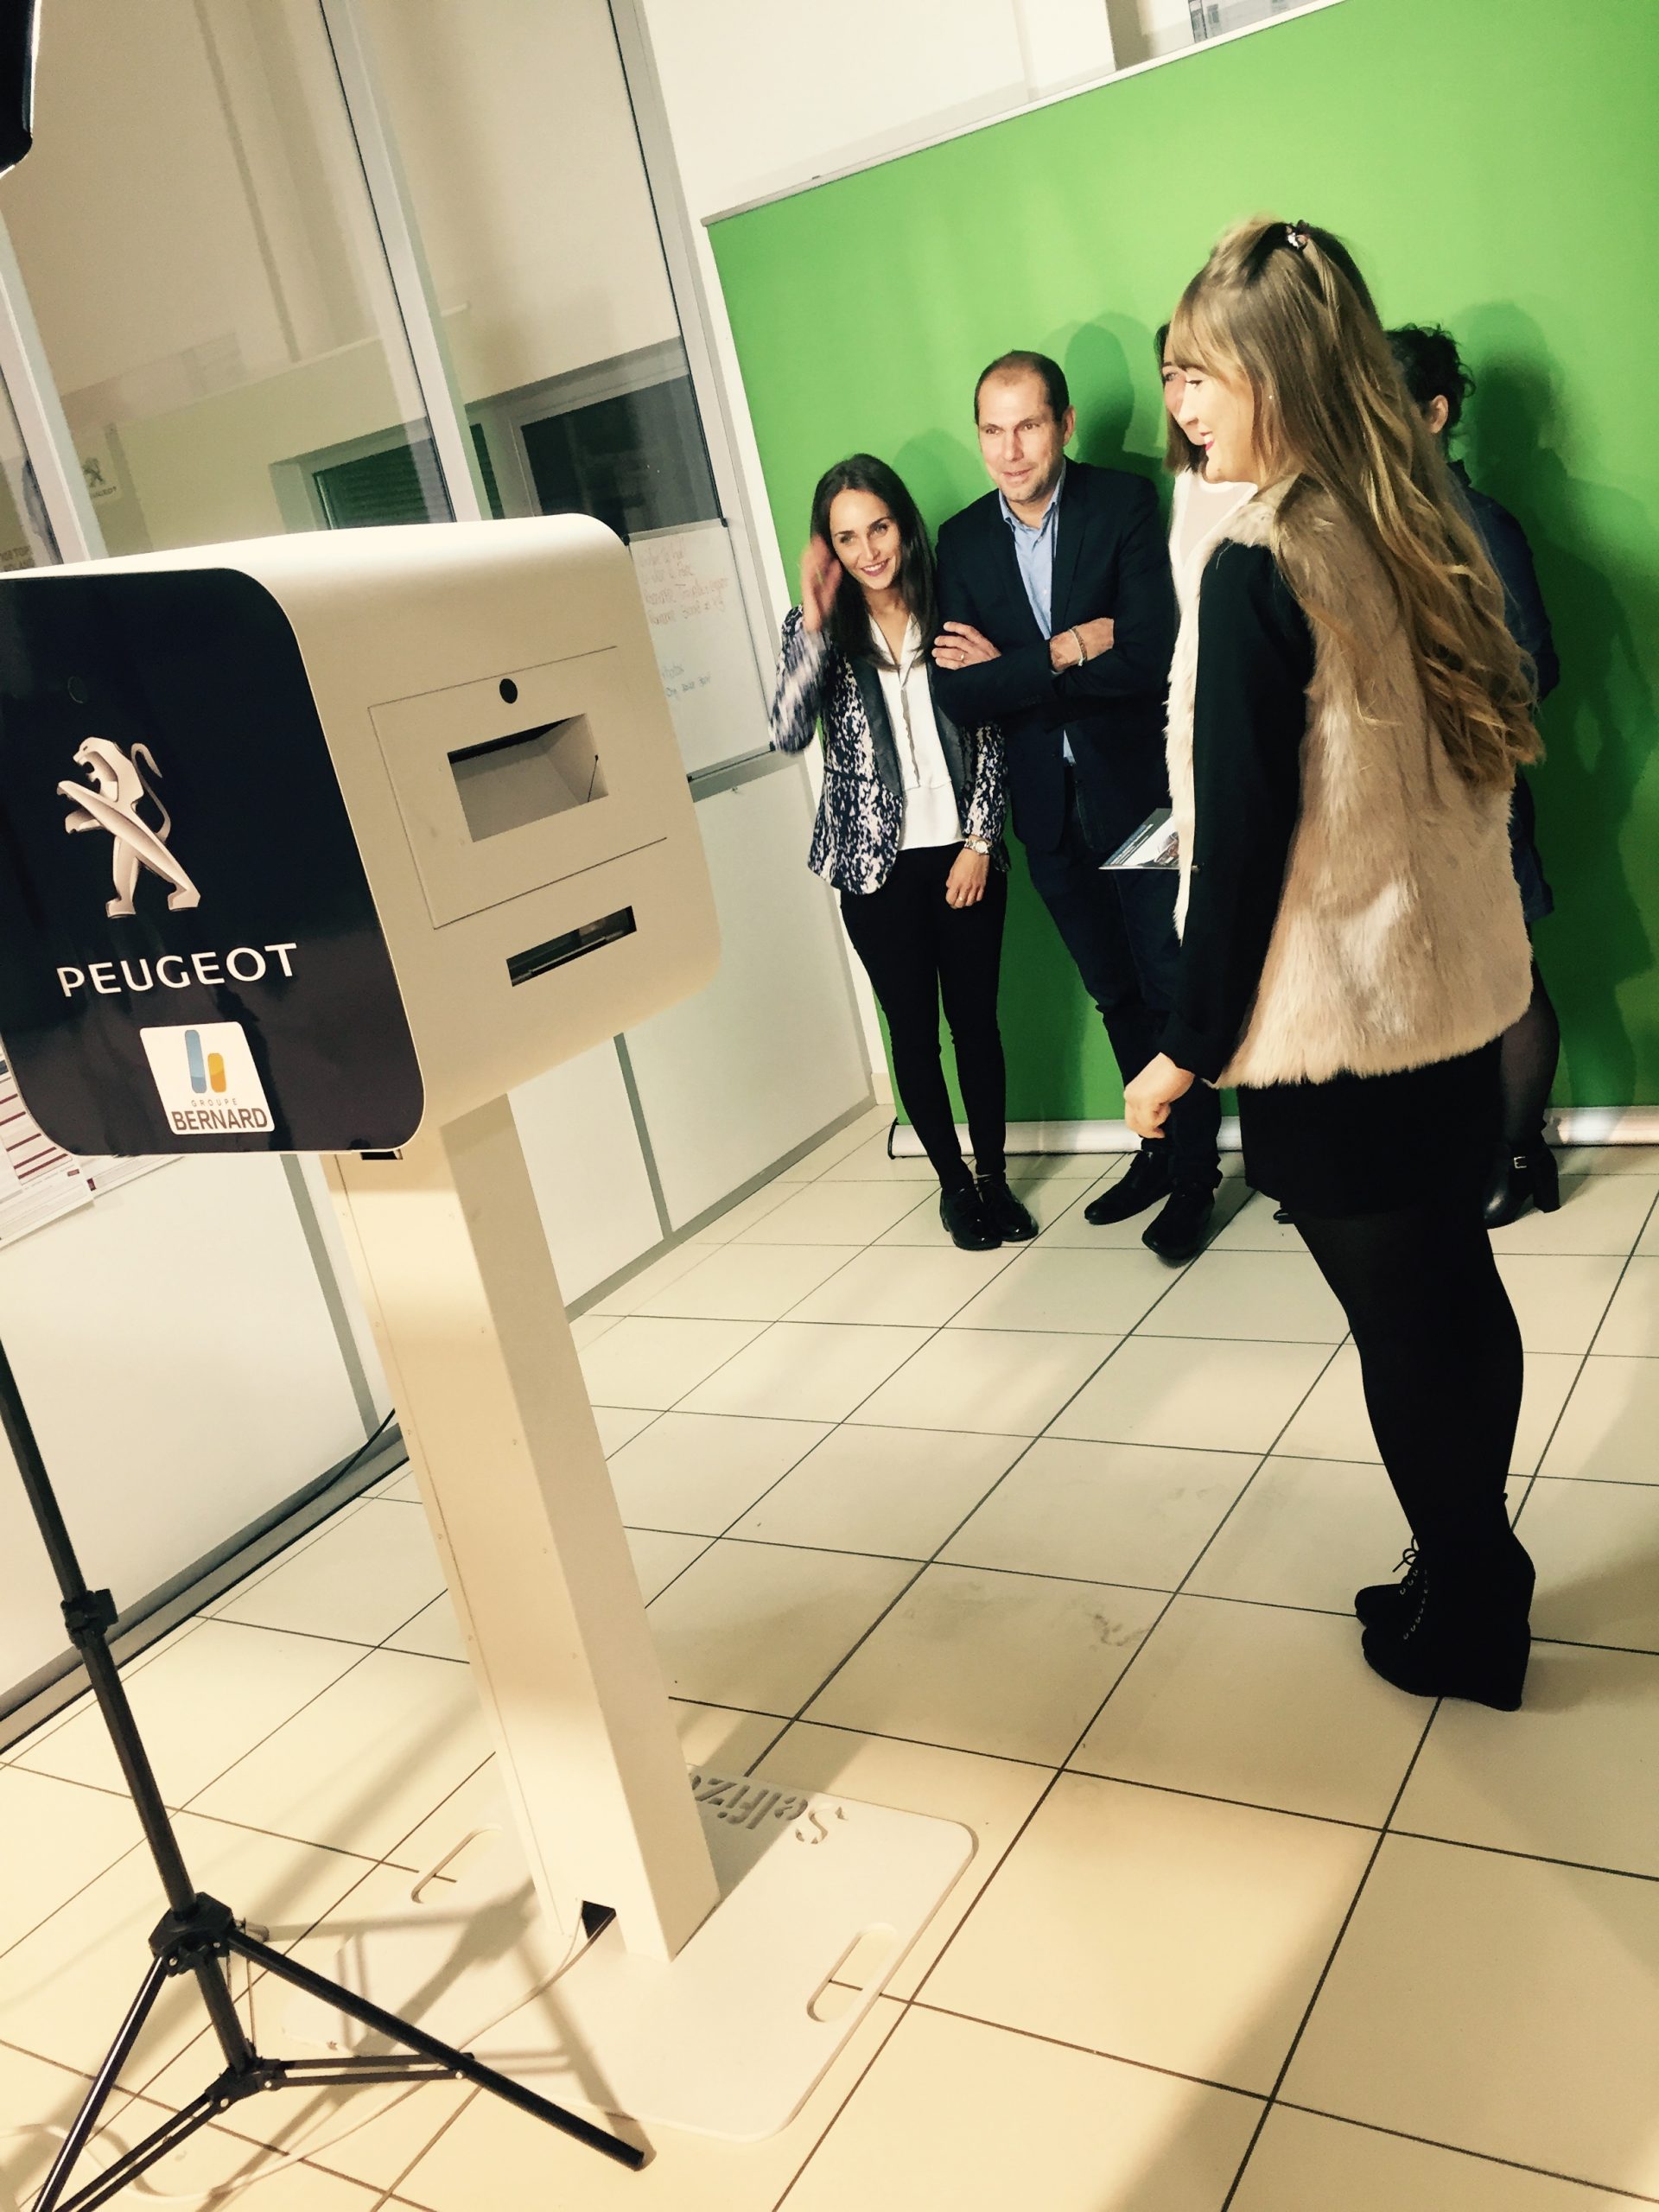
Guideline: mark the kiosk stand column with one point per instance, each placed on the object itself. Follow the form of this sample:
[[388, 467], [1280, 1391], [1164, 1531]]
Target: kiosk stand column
[[453, 1265]]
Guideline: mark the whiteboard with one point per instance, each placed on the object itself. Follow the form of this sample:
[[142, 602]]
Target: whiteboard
[[689, 580]]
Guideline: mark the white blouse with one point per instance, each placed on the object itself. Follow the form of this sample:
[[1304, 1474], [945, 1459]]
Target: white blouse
[[931, 816], [1199, 510]]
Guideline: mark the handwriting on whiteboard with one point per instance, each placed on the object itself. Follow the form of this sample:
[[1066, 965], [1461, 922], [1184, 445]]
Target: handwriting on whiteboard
[[700, 633]]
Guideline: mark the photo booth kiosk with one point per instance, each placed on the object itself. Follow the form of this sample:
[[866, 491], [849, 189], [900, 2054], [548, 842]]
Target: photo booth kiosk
[[323, 844]]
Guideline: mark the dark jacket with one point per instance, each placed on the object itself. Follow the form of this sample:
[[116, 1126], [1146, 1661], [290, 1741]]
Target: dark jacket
[[1524, 614], [1110, 558], [861, 808]]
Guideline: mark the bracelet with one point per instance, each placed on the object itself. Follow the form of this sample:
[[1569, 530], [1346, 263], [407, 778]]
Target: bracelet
[[1082, 655]]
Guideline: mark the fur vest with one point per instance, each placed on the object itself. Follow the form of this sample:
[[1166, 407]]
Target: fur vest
[[1399, 939]]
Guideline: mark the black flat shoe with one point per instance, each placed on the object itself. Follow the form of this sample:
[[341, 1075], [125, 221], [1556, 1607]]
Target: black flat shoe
[[1179, 1232], [1463, 1634], [1148, 1180], [971, 1228], [1520, 1181], [1004, 1211]]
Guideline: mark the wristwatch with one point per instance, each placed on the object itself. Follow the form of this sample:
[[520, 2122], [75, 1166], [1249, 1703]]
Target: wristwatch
[[980, 845]]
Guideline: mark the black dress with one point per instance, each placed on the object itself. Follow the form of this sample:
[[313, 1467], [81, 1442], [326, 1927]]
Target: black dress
[[1355, 1144]]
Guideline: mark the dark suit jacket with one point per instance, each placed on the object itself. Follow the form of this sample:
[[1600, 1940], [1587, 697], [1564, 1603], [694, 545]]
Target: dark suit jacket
[[1111, 558]]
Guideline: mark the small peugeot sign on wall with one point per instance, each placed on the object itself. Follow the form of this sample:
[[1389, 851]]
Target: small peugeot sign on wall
[[190, 957]]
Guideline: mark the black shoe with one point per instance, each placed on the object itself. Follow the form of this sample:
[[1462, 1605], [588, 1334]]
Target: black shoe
[[1464, 1632], [971, 1228], [1521, 1180], [1004, 1211], [1148, 1180], [1390, 1603], [1180, 1229]]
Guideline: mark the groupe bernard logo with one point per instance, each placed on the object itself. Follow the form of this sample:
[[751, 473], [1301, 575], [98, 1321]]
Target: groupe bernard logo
[[205, 1074], [110, 800]]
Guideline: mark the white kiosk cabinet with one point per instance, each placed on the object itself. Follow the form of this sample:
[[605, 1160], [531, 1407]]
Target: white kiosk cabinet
[[363, 830]]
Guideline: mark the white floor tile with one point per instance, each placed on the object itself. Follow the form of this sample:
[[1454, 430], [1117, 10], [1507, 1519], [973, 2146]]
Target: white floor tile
[[759, 1625], [744, 1214], [853, 1138], [806, 1370], [618, 1424], [697, 1473], [1307, 1532], [1011, 1664], [659, 1556], [1497, 2005], [1305, 2163], [528, 2164], [587, 1328], [651, 1363], [646, 1282], [435, 1631], [1007, 1381], [1102, 1293], [54, 1838], [1253, 1228], [954, 2113], [1268, 1706], [912, 1283], [1169, 1930], [363, 1578], [900, 1490], [838, 1213], [1059, 1167], [1573, 1775], [38, 2101], [747, 1282], [1280, 1296], [1104, 1512], [368, 1760], [65, 1989], [993, 1797], [1608, 1160], [1332, 1422], [1610, 1430], [1596, 1546], [869, 1163], [1598, 1213], [198, 1705], [1632, 1324], [1211, 1398], [1559, 1301]]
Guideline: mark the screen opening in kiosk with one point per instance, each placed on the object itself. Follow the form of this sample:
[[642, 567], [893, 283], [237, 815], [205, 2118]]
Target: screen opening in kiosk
[[506, 783]]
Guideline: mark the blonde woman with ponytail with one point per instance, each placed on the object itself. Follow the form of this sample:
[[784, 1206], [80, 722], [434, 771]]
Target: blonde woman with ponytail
[[1346, 714]]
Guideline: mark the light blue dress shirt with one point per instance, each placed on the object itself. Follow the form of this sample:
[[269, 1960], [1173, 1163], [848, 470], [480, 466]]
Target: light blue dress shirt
[[1034, 548]]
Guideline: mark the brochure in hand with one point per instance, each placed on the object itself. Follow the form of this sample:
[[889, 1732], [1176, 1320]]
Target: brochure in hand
[[1152, 845]]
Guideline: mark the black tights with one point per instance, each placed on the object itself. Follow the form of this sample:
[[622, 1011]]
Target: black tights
[[1530, 1051], [1439, 1351]]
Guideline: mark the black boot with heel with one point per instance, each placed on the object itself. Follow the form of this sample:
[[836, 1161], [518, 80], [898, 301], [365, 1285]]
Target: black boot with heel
[[1525, 1177], [1462, 1631]]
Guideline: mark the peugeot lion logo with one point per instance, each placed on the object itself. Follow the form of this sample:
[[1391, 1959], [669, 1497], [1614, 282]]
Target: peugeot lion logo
[[111, 802]]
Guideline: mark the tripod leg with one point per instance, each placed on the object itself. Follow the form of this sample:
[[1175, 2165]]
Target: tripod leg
[[85, 2121], [459, 2063], [176, 2128]]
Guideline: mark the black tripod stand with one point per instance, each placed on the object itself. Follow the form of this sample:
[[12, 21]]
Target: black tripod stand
[[197, 1934]]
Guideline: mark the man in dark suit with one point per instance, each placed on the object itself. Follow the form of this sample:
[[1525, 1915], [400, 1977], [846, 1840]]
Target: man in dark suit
[[1058, 622]]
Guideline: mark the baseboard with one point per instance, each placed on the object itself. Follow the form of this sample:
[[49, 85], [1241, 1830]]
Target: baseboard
[[1572, 1125]]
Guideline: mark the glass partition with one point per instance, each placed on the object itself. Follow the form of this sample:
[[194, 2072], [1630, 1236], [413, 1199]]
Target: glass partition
[[203, 264]]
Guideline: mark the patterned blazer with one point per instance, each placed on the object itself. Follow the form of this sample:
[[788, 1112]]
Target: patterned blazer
[[861, 812]]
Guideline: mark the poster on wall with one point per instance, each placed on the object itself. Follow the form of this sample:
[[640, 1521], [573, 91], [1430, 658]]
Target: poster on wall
[[688, 578], [38, 1181]]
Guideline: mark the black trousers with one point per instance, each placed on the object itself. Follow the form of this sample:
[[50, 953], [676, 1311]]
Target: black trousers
[[1120, 930], [917, 950]]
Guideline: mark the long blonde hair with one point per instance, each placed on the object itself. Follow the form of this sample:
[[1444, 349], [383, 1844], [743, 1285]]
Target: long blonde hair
[[1283, 307]]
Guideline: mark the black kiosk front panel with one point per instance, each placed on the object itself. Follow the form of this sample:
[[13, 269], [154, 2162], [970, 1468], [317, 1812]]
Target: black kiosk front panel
[[190, 959]]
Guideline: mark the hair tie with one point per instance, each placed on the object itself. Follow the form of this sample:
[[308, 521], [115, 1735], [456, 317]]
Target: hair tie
[[1296, 234]]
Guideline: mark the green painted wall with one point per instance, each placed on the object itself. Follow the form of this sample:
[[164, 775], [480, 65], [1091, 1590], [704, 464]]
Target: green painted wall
[[1494, 165]]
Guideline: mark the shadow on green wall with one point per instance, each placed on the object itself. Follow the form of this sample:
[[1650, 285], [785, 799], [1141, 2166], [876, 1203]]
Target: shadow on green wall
[[1597, 559]]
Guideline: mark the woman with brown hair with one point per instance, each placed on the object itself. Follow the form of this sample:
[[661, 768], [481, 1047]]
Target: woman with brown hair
[[1347, 711]]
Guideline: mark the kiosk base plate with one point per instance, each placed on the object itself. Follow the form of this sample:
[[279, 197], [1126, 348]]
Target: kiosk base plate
[[821, 1897]]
